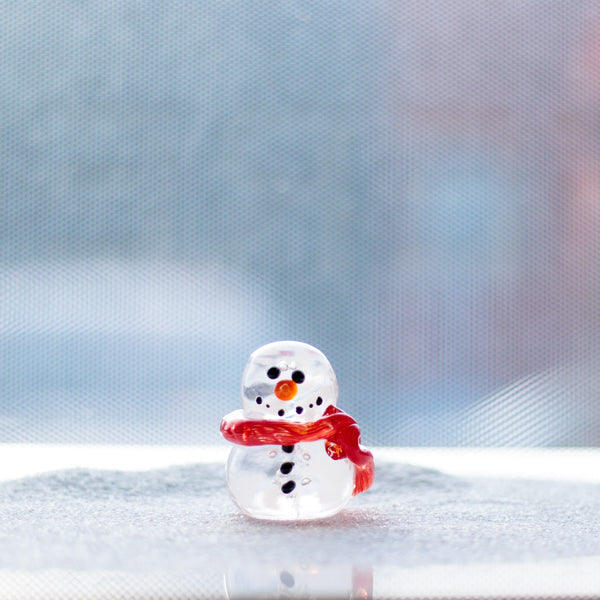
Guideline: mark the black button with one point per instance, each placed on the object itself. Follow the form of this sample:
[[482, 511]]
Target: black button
[[287, 449], [287, 487], [286, 467]]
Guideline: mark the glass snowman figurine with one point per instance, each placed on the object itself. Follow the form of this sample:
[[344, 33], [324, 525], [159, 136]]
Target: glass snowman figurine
[[296, 456]]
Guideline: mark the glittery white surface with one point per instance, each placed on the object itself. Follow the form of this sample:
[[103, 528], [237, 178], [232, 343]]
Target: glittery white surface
[[158, 522]]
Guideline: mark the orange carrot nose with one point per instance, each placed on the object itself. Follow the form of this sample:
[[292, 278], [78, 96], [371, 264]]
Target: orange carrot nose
[[286, 389]]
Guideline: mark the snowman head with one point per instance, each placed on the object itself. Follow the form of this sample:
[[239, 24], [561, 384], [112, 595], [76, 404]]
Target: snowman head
[[288, 380]]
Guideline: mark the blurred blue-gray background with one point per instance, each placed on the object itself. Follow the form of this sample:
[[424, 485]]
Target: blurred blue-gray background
[[412, 186]]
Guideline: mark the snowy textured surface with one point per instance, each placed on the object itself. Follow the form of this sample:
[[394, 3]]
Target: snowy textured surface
[[173, 532]]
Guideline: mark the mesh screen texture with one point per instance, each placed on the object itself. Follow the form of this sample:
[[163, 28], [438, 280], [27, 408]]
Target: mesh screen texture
[[410, 186]]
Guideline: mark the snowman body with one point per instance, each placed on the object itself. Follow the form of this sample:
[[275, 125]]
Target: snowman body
[[288, 482], [293, 382]]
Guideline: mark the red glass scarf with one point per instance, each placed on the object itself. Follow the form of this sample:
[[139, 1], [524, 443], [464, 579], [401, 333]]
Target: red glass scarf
[[339, 430]]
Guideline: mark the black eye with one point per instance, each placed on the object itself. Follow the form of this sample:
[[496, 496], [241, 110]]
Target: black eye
[[298, 376], [273, 373]]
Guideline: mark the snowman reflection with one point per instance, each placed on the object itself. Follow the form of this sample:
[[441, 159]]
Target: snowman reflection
[[300, 581], [296, 456]]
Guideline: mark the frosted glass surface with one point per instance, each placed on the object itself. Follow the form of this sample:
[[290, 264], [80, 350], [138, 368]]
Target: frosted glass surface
[[420, 532]]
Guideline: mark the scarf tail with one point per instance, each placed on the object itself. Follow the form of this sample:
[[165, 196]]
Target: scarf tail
[[348, 438]]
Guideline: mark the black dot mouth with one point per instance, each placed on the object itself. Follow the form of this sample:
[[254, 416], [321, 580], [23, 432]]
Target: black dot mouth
[[281, 412], [299, 410]]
